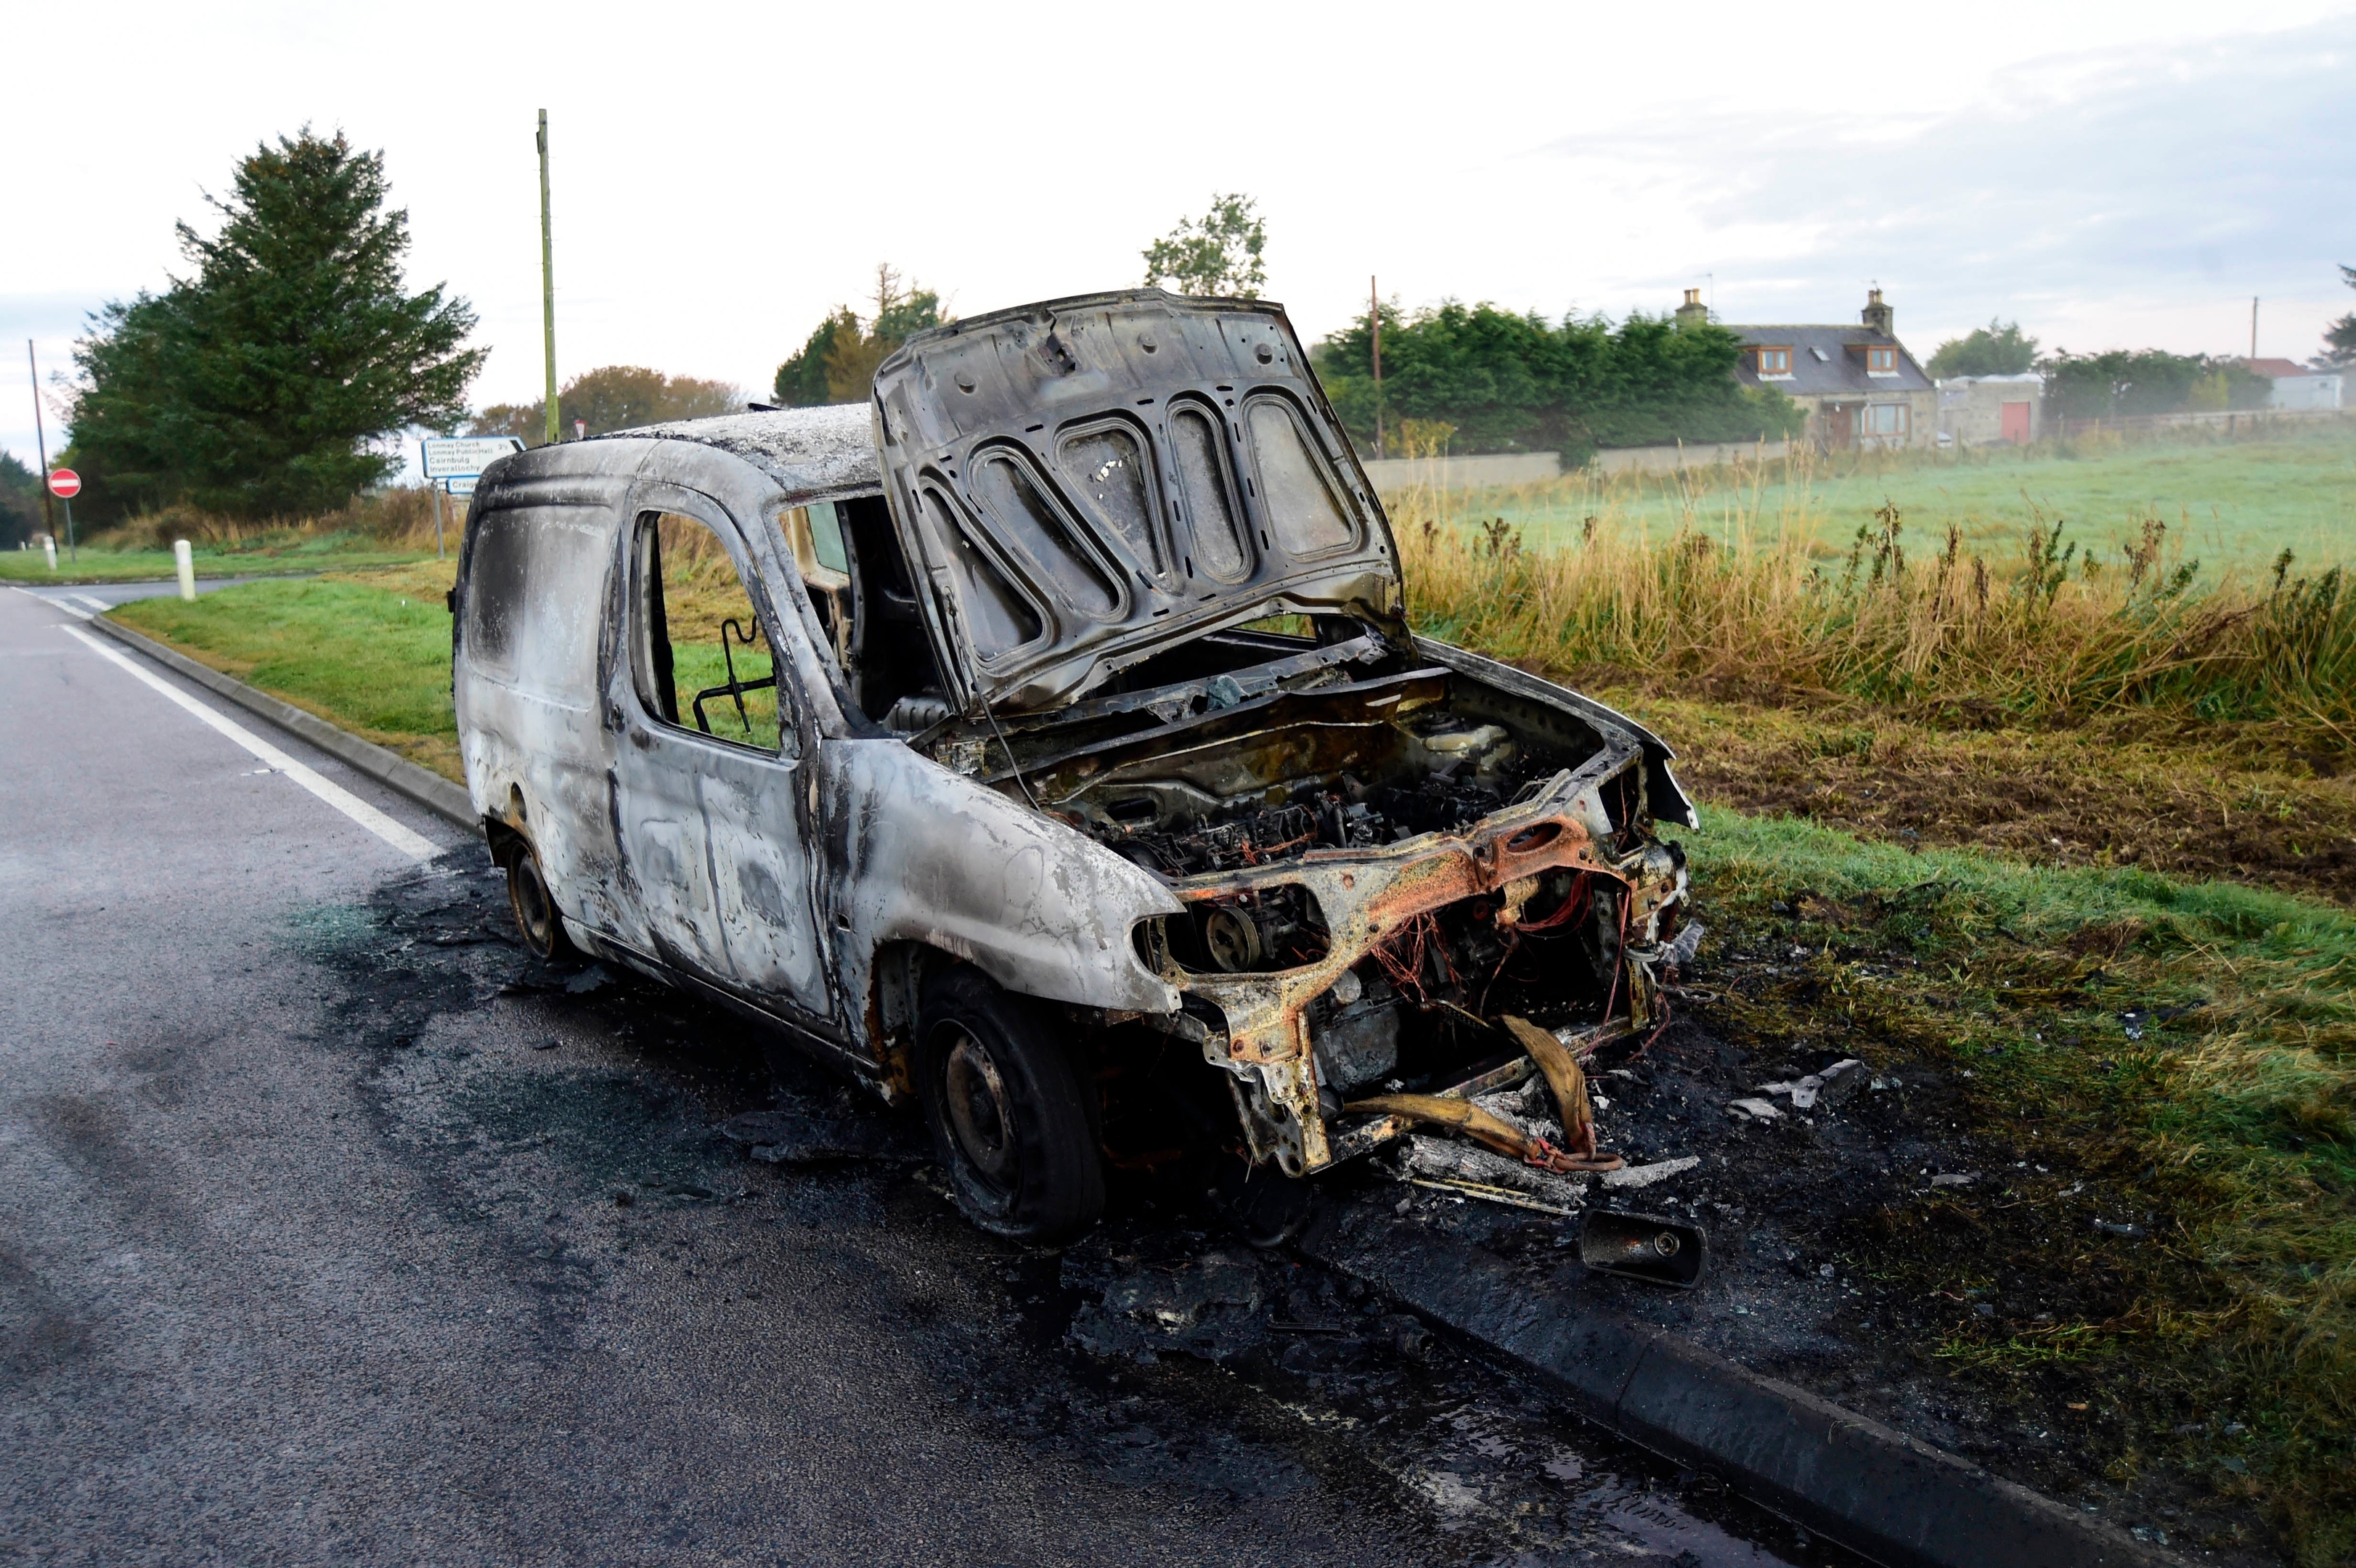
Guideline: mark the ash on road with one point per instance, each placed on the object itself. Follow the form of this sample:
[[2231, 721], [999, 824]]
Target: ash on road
[[338, 1229]]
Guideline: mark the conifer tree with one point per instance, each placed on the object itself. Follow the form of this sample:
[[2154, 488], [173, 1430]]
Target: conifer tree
[[266, 383]]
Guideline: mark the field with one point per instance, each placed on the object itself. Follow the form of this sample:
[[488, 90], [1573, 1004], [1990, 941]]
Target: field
[[2230, 503], [2081, 840]]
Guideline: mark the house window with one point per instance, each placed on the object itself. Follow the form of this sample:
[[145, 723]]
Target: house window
[[1885, 419], [1775, 361], [1881, 361]]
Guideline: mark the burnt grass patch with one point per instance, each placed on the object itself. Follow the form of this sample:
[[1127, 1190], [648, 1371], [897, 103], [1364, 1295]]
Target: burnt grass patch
[[2082, 1226], [2127, 1290], [592, 1132]]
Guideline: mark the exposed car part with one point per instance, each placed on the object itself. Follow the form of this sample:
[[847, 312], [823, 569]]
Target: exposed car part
[[536, 919], [1007, 1111], [1643, 1246]]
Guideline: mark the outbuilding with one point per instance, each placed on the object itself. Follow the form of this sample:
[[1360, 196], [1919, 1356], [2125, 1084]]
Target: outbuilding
[[1991, 410]]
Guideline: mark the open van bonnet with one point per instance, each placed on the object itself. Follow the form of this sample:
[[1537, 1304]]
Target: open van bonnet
[[1084, 483]]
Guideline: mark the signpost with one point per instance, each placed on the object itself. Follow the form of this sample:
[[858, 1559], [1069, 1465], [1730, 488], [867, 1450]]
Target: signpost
[[453, 461], [65, 485]]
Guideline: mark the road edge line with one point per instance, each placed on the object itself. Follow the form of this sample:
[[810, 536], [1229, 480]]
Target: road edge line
[[1893, 1498], [396, 773]]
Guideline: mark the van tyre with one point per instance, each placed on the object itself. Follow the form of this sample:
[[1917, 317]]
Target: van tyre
[[537, 921], [1008, 1111]]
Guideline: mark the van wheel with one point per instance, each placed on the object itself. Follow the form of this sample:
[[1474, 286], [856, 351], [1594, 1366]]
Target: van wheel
[[535, 910], [1008, 1114]]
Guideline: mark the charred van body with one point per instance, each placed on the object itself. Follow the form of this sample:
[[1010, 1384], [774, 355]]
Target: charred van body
[[1046, 741]]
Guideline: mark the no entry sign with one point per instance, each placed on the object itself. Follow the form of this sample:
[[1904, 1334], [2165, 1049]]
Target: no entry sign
[[64, 484]]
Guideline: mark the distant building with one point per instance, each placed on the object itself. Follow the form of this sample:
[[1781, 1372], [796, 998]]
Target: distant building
[[2299, 386], [1859, 384], [1991, 410]]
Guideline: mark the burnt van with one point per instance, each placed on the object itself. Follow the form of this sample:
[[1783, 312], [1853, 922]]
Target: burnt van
[[1045, 743]]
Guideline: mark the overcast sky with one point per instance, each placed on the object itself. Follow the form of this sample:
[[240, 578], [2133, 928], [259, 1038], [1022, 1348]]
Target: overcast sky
[[2114, 175]]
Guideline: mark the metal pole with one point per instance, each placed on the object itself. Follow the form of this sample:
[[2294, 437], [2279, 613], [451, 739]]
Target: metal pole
[[547, 280], [41, 440], [72, 554], [1375, 316], [2253, 331], [435, 485]]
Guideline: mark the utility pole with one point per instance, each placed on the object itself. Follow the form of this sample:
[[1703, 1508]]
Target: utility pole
[[41, 443], [2253, 331], [547, 280], [1375, 316]]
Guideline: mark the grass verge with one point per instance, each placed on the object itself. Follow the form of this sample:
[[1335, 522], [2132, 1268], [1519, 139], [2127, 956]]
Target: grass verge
[[284, 556], [368, 655]]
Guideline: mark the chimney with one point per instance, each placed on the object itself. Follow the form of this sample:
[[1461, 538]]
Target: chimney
[[1875, 315], [1693, 313]]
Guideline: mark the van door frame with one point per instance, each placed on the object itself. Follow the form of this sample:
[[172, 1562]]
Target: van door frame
[[637, 729]]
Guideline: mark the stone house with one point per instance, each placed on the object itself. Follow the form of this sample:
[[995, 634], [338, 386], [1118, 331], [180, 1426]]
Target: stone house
[[1858, 385], [1990, 411]]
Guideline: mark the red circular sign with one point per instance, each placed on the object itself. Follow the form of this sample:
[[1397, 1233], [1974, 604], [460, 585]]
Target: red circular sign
[[64, 484]]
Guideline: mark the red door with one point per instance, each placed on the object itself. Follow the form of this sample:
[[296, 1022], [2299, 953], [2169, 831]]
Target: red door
[[2016, 424], [1838, 431]]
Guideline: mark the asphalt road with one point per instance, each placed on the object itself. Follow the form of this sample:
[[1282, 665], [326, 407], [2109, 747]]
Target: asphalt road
[[333, 1229]]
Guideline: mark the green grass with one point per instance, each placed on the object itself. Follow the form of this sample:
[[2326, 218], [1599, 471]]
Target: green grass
[[2227, 1120], [374, 661], [2229, 503], [102, 564]]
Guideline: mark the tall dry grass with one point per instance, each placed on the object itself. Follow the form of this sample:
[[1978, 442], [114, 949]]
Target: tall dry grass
[[1737, 593], [400, 516]]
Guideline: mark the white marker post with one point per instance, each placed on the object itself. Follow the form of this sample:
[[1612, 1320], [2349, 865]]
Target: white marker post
[[49, 549], [185, 560], [452, 463]]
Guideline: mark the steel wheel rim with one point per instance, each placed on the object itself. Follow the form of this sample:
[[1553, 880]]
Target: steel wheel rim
[[533, 912], [981, 1119]]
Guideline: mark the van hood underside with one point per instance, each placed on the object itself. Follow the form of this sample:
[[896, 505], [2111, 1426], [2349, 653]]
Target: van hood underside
[[1085, 483]]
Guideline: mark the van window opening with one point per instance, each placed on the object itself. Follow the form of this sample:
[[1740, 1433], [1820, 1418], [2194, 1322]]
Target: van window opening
[[701, 657]]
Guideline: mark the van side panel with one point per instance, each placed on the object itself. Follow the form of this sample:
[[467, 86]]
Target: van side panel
[[525, 681]]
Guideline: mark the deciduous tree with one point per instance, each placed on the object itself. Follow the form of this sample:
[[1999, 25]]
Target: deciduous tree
[[1216, 254], [2000, 348], [615, 396]]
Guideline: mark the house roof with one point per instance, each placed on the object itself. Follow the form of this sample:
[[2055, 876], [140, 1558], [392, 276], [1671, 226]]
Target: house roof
[[1823, 363], [2275, 369]]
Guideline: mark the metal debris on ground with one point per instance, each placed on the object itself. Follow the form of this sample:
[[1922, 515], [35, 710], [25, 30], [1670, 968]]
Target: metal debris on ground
[[1439, 1159], [1751, 1110], [1645, 1175], [1643, 1246], [1828, 1086]]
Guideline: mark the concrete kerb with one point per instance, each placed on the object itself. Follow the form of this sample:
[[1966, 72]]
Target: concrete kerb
[[396, 773], [1851, 1479]]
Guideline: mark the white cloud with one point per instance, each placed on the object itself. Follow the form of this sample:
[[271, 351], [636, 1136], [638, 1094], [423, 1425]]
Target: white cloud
[[725, 172]]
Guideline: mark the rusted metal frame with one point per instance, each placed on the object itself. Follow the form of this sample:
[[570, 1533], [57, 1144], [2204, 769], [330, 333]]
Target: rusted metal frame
[[1370, 694], [1366, 895]]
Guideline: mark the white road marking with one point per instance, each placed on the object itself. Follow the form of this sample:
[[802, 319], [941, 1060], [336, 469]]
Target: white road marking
[[97, 606], [342, 799], [56, 604]]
